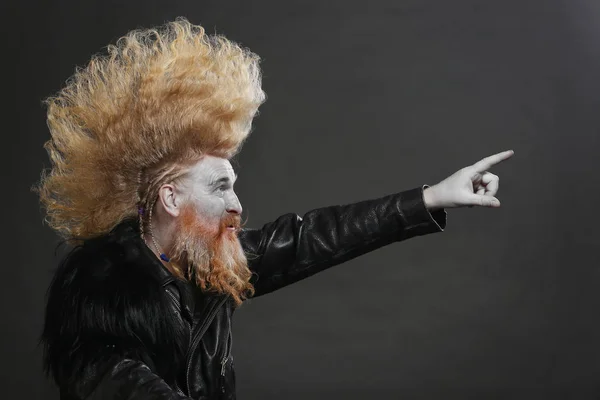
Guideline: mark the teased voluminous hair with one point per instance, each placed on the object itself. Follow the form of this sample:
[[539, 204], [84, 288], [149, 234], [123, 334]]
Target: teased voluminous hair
[[158, 99]]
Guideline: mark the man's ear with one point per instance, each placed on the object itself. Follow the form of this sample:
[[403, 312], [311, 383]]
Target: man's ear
[[170, 199]]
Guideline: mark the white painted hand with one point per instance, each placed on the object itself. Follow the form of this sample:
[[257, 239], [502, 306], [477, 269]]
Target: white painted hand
[[469, 186]]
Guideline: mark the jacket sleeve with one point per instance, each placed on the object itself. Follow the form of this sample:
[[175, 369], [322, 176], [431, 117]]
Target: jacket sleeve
[[106, 325], [292, 248], [130, 379]]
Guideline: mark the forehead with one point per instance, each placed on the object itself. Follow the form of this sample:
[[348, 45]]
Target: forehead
[[210, 168]]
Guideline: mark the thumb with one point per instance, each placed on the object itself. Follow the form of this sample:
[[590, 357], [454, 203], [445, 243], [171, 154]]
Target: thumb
[[484, 201]]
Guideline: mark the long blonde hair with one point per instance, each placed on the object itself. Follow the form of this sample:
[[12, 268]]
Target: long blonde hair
[[159, 98]]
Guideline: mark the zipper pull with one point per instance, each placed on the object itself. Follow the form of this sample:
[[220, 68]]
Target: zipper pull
[[223, 363]]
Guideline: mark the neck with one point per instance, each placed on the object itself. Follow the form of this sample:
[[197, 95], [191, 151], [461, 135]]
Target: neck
[[158, 237], [150, 243], [163, 238]]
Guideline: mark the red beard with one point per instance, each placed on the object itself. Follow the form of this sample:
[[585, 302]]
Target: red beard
[[213, 254]]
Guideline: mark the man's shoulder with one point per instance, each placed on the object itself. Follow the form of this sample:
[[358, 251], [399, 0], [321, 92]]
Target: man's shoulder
[[106, 292]]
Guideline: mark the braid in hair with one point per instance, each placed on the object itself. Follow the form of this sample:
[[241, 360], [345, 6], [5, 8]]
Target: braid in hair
[[141, 203]]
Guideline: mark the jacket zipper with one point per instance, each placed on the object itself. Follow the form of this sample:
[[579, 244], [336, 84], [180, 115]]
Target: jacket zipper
[[196, 340], [224, 360], [177, 306]]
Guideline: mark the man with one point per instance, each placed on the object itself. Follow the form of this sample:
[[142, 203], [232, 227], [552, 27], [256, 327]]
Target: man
[[142, 185]]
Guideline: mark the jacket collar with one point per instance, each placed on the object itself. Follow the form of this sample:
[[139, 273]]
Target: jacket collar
[[193, 301], [127, 233]]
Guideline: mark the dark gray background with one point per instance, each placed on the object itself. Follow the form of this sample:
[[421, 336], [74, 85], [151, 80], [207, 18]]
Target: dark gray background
[[366, 99]]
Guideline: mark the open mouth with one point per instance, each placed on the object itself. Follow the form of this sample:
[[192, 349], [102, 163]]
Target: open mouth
[[230, 228]]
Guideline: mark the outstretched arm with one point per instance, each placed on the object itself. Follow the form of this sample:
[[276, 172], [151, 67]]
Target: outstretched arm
[[292, 248]]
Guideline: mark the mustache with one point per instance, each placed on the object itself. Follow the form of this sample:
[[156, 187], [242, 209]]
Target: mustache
[[233, 220]]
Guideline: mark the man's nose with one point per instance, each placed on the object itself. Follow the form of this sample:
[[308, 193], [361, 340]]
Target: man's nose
[[234, 208]]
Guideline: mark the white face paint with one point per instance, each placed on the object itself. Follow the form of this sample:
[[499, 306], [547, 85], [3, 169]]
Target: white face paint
[[211, 191]]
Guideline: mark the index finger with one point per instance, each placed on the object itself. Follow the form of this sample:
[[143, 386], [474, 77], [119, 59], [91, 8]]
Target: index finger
[[488, 162]]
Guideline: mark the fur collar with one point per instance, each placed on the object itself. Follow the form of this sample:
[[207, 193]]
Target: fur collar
[[107, 299]]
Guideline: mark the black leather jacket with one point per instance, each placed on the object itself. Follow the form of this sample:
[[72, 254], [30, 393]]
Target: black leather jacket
[[120, 326]]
